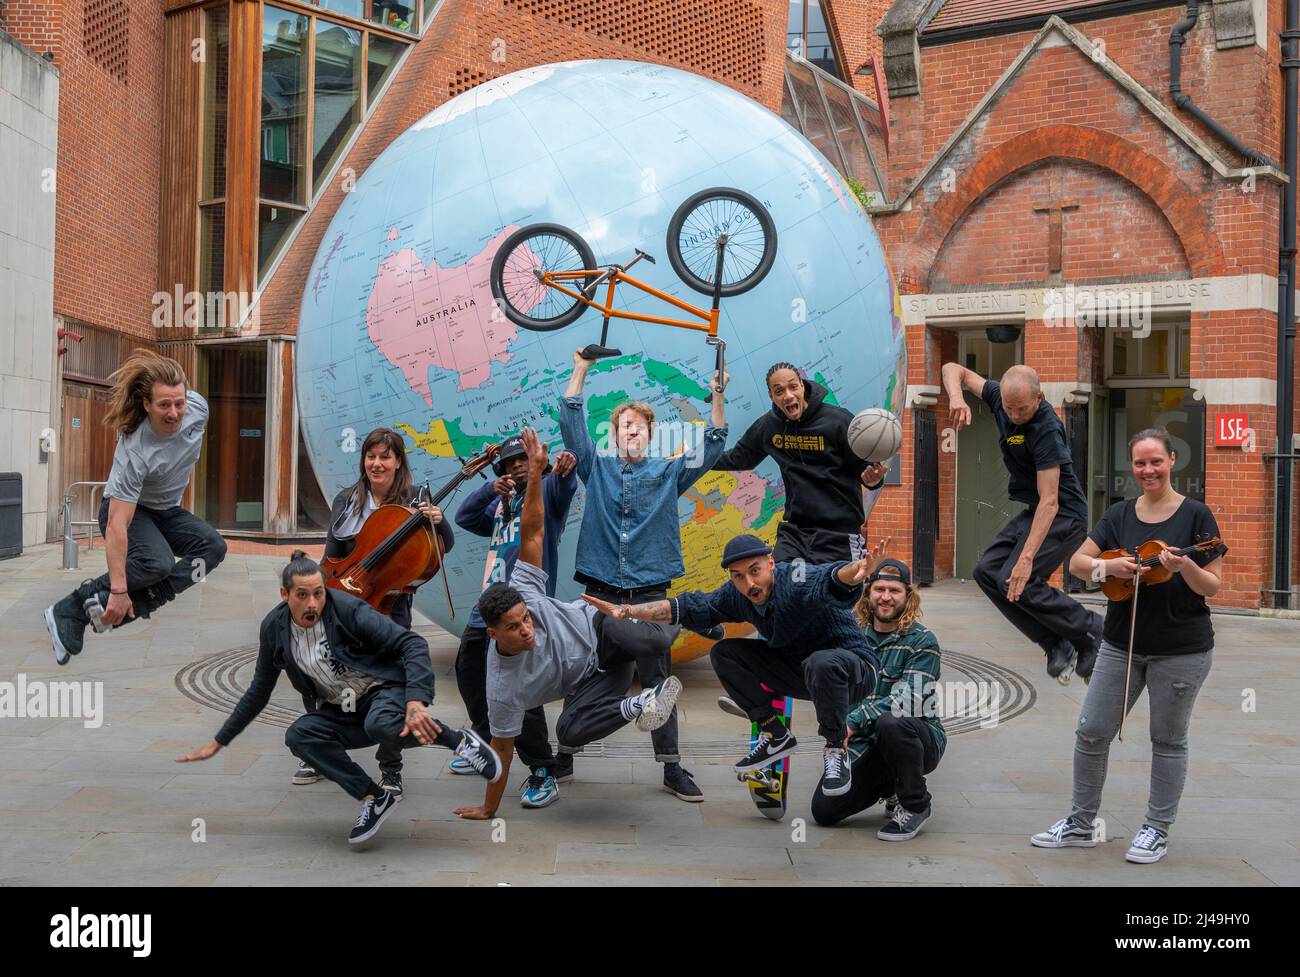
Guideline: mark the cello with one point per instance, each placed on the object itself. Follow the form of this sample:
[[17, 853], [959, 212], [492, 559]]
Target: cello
[[397, 549]]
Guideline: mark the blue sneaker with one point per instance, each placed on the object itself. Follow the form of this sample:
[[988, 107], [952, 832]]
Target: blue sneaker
[[461, 766], [539, 789]]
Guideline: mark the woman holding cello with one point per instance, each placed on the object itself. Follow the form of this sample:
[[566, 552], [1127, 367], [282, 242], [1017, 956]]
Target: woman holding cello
[[385, 479], [1164, 622]]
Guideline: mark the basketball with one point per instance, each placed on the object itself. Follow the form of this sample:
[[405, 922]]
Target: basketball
[[875, 434]]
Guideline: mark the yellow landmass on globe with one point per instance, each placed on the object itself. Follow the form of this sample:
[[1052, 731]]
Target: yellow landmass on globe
[[435, 441]]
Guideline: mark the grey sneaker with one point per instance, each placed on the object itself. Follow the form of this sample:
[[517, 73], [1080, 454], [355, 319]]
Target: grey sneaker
[[904, 825], [657, 704], [1065, 833], [1150, 844]]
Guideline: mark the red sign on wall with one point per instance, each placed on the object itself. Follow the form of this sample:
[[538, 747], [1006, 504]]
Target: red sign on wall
[[1231, 430]]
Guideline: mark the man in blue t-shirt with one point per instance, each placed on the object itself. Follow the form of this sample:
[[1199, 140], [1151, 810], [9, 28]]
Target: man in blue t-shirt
[[1014, 570], [494, 510]]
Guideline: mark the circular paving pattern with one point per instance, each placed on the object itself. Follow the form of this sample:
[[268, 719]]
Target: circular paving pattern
[[974, 694]]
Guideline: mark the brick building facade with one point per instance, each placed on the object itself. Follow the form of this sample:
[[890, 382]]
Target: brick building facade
[[1020, 157]]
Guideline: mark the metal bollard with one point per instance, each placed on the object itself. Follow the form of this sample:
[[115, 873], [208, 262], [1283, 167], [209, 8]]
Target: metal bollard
[[69, 543]]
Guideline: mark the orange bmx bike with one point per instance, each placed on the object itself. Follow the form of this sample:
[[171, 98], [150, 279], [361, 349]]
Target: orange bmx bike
[[721, 242]]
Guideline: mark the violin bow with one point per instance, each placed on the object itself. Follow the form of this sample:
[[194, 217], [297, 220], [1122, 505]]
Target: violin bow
[[1128, 664]]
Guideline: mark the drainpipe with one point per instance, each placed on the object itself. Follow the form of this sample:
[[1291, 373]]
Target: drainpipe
[[1286, 455], [1184, 101]]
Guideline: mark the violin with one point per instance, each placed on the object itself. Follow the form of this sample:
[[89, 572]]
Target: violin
[[397, 549], [1148, 559]]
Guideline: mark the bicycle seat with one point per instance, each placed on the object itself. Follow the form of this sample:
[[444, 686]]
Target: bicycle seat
[[648, 257], [594, 352]]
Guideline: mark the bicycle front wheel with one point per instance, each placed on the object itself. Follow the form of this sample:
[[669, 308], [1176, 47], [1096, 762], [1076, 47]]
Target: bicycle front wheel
[[695, 232], [515, 278]]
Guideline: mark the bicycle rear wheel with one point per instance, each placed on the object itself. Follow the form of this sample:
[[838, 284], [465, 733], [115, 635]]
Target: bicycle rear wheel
[[696, 227], [520, 293]]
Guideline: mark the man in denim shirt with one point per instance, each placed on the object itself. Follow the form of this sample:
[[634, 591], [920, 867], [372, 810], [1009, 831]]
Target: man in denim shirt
[[630, 545]]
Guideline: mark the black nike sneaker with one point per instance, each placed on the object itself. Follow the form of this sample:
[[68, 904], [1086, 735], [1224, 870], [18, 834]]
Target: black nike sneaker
[[767, 751]]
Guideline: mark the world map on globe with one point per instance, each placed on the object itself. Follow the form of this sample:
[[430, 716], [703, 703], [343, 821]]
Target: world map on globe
[[398, 327]]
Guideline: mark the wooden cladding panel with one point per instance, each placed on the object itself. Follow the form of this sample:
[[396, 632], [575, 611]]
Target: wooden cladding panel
[[178, 213], [243, 147]]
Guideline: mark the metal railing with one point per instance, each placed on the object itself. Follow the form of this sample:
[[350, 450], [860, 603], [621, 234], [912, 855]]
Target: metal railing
[[70, 524]]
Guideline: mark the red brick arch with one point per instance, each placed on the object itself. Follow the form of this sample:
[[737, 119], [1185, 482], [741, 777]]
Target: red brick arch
[[1187, 215]]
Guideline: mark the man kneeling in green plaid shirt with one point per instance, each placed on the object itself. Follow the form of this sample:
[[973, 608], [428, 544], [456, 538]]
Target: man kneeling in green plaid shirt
[[895, 734]]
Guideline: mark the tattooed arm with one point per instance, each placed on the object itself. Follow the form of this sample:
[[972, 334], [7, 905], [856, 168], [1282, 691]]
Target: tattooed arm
[[657, 612]]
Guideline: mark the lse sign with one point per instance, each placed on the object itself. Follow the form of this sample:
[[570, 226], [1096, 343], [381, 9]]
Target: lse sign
[[1231, 430]]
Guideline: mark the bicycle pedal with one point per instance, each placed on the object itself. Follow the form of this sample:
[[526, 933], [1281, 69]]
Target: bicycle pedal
[[595, 352]]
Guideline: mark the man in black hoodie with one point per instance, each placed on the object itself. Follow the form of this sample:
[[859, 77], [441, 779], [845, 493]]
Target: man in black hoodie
[[809, 441]]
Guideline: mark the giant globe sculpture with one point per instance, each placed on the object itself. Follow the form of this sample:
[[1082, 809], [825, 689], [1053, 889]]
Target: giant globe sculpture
[[399, 328]]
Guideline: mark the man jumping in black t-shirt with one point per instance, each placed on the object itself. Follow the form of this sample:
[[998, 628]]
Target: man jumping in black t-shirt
[[1014, 569]]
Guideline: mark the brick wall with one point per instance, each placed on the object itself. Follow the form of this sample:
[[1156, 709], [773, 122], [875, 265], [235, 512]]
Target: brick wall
[[36, 24]]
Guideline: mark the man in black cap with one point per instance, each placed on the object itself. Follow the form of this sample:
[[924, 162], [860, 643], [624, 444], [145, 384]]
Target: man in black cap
[[895, 734], [494, 510], [810, 647]]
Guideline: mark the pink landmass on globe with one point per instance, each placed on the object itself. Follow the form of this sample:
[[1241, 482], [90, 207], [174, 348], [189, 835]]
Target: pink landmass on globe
[[421, 317], [392, 234], [747, 496]]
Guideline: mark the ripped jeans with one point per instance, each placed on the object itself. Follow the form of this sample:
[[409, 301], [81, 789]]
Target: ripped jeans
[[1172, 682]]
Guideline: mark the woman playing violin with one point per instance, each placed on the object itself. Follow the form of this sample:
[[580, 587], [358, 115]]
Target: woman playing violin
[[385, 479], [1173, 643]]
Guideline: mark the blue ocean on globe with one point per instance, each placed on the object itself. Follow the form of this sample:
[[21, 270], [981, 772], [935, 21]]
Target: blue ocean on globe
[[397, 326]]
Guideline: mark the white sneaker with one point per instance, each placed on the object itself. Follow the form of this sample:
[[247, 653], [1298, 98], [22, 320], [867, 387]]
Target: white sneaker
[[657, 704]]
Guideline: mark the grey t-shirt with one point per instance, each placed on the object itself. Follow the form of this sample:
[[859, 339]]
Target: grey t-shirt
[[152, 470], [563, 654]]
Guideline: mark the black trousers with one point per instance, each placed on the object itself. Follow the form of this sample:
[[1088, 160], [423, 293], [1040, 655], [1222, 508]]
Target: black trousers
[[168, 551], [648, 646], [1043, 614], [815, 545], [834, 679], [322, 739], [896, 763], [533, 744]]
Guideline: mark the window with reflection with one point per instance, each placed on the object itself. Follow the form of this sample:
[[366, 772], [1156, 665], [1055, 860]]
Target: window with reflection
[[809, 37], [353, 8], [337, 93], [396, 14], [382, 53], [284, 105]]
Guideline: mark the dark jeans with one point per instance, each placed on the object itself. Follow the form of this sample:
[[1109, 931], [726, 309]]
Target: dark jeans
[[322, 739], [594, 709], [1043, 614], [833, 678], [815, 545], [649, 646], [533, 744], [896, 763], [168, 551]]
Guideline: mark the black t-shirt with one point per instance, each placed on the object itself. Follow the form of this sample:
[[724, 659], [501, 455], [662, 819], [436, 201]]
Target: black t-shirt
[[1029, 448], [1172, 619]]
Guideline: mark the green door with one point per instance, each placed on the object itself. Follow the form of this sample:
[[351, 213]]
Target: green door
[[982, 504]]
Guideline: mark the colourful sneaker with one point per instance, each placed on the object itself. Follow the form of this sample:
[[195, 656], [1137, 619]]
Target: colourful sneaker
[[461, 766], [539, 789]]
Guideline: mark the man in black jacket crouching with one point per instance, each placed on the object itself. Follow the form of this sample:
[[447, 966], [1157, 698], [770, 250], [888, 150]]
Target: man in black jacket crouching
[[364, 680]]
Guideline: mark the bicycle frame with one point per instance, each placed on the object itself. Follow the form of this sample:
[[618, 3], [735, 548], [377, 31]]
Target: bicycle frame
[[553, 279]]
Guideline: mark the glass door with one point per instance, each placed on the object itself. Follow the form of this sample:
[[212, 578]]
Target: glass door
[[231, 477]]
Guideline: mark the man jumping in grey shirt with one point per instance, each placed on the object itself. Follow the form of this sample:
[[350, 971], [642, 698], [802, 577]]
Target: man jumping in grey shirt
[[156, 548], [542, 649]]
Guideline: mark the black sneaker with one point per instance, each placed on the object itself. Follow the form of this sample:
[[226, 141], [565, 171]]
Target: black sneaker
[[374, 812], [903, 824], [1087, 651], [766, 752], [93, 602], [563, 768], [66, 621], [478, 753], [306, 774], [392, 782], [1059, 660], [837, 776], [677, 781]]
